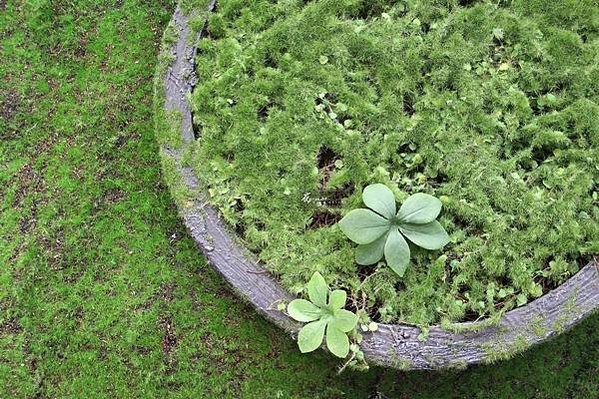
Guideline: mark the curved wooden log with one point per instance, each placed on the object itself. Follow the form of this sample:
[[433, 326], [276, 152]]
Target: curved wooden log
[[392, 345]]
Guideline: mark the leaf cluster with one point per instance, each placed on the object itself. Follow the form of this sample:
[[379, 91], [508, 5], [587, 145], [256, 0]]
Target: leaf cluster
[[325, 315], [380, 230]]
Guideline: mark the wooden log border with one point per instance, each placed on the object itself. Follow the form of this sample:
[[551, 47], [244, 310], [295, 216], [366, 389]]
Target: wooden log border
[[395, 346]]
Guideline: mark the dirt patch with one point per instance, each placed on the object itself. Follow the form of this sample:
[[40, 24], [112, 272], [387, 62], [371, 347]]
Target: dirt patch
[[10, 327], [29, 178], [324, 218], [81, 50], [108, 199], [335, 197], [169, 340], [9, 102], [325, 160], [113, 196], [54, 249], [30, 182], [166, 292]]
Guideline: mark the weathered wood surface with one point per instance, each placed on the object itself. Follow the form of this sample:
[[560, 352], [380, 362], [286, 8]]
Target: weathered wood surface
[[392, 345]]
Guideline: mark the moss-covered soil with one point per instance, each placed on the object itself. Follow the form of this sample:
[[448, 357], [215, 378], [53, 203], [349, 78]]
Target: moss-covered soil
[[102, 292], [491, 106]]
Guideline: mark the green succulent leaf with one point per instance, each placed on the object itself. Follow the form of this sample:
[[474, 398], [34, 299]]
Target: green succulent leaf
[[419, 208], [397, 252], [429, 236], [337, 342], [380, 198], [368, 254], [337, 299], [302, 310], [363, 226], [318, 290], [311, 335], [376, 231], [323, 316], [344, 320]]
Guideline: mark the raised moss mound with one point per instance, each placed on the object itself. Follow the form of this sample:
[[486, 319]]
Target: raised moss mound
[[492, 107]]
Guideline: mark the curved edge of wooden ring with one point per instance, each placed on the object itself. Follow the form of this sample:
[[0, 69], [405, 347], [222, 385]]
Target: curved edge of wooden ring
[[395, 346]]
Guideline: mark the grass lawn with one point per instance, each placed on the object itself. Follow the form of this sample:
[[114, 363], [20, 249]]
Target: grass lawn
[[103, 294]]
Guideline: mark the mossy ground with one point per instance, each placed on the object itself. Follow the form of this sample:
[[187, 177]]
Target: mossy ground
[[102, 292], [490, 105]]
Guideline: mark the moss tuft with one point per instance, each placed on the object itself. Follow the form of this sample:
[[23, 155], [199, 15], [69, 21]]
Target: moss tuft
[[503, 351]]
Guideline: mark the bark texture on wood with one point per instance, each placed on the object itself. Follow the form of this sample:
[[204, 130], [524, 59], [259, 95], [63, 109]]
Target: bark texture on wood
[[392, 345]]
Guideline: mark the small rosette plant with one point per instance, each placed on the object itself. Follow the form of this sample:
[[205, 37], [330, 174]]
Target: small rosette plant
[[380, 231], [325, 315]]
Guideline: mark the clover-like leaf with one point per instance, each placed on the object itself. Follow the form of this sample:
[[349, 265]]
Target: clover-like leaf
[[363, 226], [302, 310], [380, 236], [337, 299], [419, 208], [429, 236], [318, 290], [311, 335], [337, 342], [397, 252], [368, 254], [380, 199]]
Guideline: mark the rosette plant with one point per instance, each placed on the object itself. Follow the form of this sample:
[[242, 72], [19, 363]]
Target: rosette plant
[[325, 314], [380, 230]]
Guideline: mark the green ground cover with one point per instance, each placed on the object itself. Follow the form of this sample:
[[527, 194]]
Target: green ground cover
[[103, 294], [490, 106]]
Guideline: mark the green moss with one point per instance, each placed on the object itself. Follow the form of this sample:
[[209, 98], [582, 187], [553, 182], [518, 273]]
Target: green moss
[[181, 193], [496, 352], [167, 124], [94, 260], [191, 7], [398, 362], [491, 106], [537, 326], [458, 365], [568, 312], [493, 321]]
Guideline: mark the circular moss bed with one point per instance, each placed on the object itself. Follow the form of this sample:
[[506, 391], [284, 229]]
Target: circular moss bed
[[298, 106], [492, 109]]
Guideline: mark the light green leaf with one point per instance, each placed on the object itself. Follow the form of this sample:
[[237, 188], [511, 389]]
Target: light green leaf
[[318, 290], [363, 226], [337, 299], [521, 299], [302, 310], [429, 236], [419, 209], [368, 254], [380, 198], [337, 342], [344, 320], [397, 252], [311, 335]]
